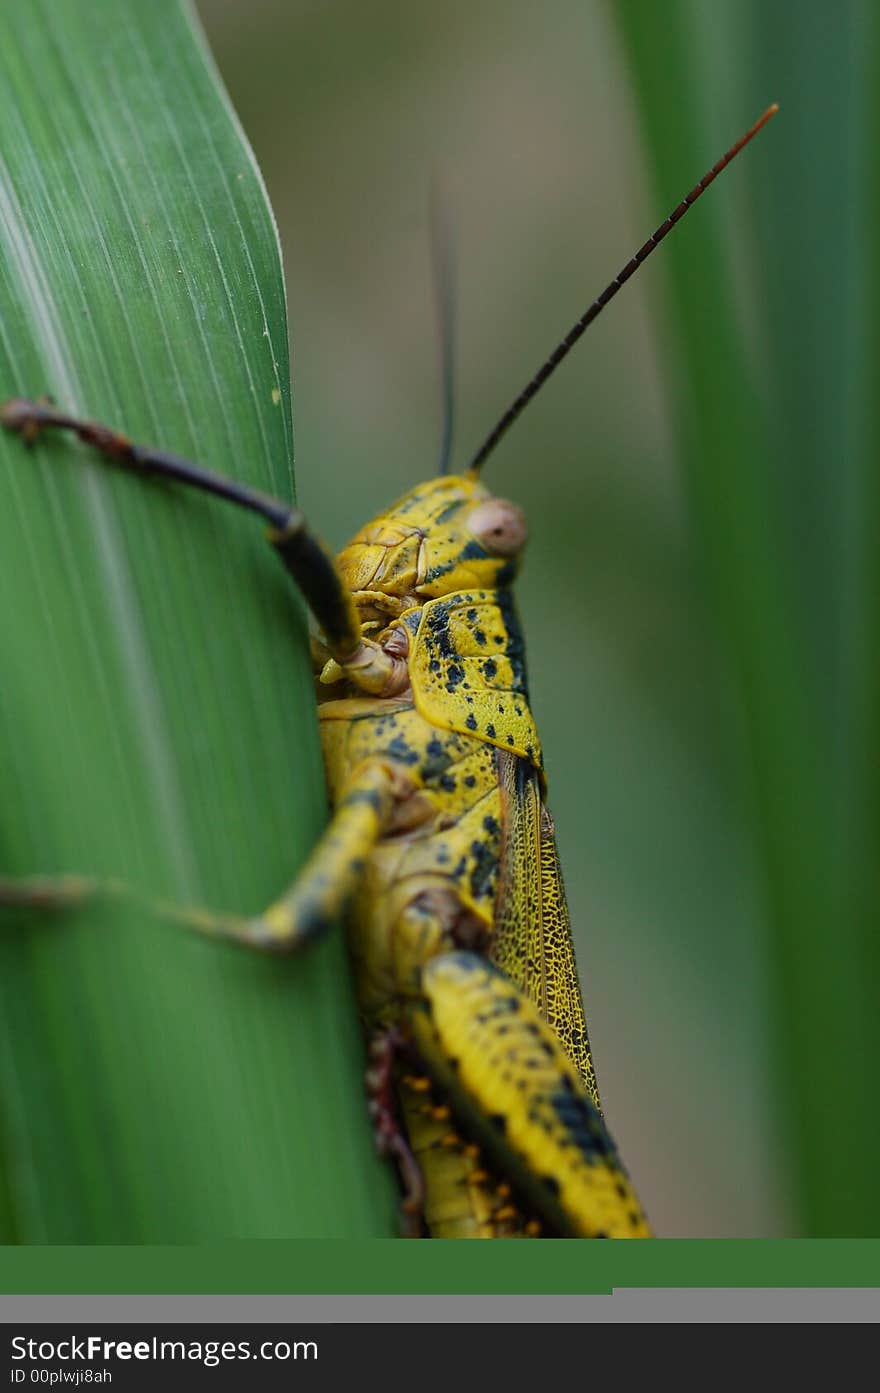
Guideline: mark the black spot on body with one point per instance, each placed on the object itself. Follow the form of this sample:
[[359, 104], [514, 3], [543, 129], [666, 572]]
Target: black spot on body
[[471, 722], [365, 795], [473, 551], [449, 511], [438, 624], [490, 669], [436, 760], [484, 870], [490, 731], [399, 749], [515, 647], [412, 621], [435, 572], [581, 1123]]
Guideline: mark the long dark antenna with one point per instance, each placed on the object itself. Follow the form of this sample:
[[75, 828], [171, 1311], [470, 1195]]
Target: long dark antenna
[[443, 276], [564, 348]]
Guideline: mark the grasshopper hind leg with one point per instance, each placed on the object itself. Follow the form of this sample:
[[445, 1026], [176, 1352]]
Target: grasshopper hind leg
[[517, 1093]]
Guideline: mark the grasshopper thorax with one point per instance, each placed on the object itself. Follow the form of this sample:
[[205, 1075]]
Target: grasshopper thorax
[[446, 535]]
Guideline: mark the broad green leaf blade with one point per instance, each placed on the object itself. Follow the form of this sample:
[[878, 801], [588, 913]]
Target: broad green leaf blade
[[156, 712]]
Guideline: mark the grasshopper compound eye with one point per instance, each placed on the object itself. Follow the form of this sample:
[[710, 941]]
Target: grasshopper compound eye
[[499, 526]]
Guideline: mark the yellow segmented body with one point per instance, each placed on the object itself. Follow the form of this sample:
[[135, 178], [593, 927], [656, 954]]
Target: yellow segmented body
[[449, 863], [468, 862]]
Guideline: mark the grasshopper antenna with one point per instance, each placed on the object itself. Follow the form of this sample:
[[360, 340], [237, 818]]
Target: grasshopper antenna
[[563, 348], [443, 276]]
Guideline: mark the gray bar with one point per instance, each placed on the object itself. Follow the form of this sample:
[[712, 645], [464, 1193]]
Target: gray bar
[[643, 1304]]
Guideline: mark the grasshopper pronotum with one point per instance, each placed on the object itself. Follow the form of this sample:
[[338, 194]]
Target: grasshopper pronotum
[[440, 850]]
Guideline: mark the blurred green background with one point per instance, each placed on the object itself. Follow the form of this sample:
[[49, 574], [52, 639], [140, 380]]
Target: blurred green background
[[700, 595]]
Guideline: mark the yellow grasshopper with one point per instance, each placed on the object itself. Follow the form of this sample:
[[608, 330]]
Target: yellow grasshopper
[[440, 851]]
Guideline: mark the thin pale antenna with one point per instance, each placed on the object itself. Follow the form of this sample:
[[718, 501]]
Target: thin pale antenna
[[564, 348], [443, 276]]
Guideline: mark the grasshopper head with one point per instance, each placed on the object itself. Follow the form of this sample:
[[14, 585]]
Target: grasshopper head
[[446, 535]]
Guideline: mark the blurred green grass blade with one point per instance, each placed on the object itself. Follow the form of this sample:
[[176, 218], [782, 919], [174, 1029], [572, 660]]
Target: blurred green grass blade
[[766, 495], [817, 243], [156, 710], [865, 628]]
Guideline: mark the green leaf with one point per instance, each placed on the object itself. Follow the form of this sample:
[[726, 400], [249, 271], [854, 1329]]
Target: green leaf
[[157, 719], [778, 431]]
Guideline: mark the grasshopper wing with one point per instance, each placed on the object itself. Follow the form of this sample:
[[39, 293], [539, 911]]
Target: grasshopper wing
[[518, 1095], [532, 943]]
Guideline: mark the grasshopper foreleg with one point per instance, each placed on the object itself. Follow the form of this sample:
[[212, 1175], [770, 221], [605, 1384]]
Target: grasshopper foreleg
[[303, 553]]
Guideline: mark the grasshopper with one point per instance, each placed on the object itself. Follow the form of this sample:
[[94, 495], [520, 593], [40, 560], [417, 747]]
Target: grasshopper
[[440, 852]]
